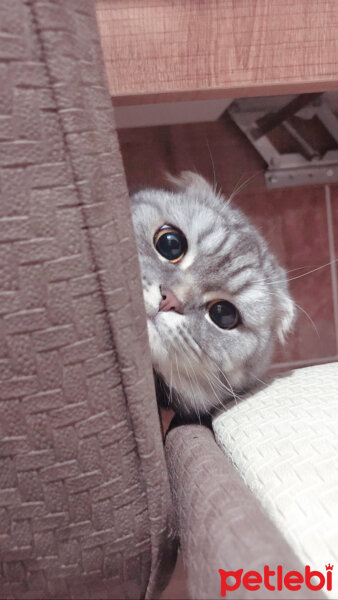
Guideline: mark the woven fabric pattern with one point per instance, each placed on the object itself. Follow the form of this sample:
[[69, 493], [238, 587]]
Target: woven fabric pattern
[[283, 440], [220, 522], [84, 495]]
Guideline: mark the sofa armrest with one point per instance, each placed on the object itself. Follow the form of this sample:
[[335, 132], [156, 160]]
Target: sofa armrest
[[221, 525]]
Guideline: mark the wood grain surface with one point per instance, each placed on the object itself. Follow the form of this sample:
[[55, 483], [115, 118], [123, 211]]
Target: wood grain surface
[[187, 49]]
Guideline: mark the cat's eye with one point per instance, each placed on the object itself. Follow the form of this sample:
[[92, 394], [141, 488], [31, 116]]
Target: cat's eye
[[224, 314], [171, 243]]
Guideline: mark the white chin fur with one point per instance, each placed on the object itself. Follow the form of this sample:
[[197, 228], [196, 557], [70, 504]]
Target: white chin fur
[[152, 298], [159, 352], [197, 395]]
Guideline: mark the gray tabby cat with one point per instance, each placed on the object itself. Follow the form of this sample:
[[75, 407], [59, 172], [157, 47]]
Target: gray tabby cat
[[215, 297]]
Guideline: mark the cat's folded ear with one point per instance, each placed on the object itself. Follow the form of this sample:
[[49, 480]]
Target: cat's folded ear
[[286, 315], [188, 179]]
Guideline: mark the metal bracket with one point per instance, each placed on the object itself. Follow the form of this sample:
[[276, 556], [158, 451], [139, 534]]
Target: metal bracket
[[286, 170]]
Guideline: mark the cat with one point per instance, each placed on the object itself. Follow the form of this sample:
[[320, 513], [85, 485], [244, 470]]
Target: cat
[[216, 298]]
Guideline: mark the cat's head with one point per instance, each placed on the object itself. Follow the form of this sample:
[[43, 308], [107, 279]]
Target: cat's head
[[215, 297]]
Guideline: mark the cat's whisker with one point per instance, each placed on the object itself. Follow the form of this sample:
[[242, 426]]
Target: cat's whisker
[[258, 379], [181, 383], [213, 165], [192, 368], [222, 387], [219, 383], [236, 187], [192, 345], [295, 269], [177, 369], [180, 339], [205, 375], [239, 188], [171, 384], [224, 396], [272, 282], [312, 271], [190, 353], [231, 390], [192, 392], [308, 316], [213, 389]]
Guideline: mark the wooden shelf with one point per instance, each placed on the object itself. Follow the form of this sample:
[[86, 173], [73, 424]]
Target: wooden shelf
[[162, 50]]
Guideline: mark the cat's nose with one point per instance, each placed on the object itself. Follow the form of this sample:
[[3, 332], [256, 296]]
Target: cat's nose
[[170, 302]]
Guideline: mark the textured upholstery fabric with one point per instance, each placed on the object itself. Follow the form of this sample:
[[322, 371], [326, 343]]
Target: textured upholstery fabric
[[84, 498], [221, 524], [283, 440]]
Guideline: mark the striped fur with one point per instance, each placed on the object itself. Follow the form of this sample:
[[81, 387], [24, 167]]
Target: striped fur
[[202, 365]]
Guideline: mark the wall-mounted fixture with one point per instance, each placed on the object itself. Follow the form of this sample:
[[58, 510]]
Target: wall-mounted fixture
[[298, 140]]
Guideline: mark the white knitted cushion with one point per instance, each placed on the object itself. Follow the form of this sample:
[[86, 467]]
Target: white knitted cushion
[[284, 441]]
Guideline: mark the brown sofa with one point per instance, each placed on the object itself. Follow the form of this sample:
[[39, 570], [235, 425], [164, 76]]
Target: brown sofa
[[85, 506], [84, 500]]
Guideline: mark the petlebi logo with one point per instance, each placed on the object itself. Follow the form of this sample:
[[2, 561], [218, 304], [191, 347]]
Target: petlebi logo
[[276, 579]]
